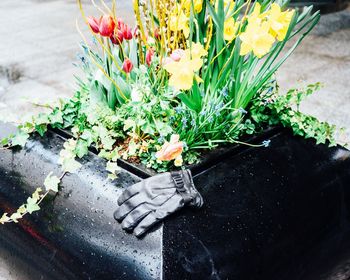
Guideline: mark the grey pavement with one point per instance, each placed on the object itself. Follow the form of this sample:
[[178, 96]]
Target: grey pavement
[[39, 43]]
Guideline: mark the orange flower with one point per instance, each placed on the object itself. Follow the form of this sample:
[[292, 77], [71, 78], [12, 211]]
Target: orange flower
[[170, 150]]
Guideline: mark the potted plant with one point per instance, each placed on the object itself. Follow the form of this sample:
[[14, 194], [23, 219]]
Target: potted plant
[[191, 86]]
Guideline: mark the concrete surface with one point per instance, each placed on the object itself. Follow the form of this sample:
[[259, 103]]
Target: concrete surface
[[39, 43]]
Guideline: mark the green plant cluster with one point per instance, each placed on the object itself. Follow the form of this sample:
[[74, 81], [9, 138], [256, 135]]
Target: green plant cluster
[[272, 108]]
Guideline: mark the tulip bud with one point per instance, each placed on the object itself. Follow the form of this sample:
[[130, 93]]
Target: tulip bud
[[149, 56], [177, 54], [94, 24], [127, 65], [156, 34], [107, 26]]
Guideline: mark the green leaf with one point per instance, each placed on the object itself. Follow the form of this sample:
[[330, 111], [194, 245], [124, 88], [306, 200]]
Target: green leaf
[[87, 136], [113, 169], [20, 138], [42, 119], [15, 216], [51, 183], [32, 205], [41, 129], [56, 117], [4, 219], [5, 141], [129, 123], [70, 165], [106, 140], [81, 148]]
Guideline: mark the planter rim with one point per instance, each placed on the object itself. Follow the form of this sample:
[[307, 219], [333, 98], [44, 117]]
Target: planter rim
[[207, 159]]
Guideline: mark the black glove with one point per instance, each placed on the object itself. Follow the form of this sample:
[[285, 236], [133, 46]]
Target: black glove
[[145, 203]]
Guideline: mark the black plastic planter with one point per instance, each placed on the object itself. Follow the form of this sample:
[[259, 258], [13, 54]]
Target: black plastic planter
[[270, 213]]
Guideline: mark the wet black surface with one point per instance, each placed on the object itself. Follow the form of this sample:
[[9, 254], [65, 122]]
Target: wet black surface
[[270, 213], [74, 236]]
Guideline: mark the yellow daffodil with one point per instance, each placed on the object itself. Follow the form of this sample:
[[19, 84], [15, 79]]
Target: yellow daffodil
[[279, 21], [256, 38], [198, 6], [196, 51], [230, 29], [256, 16], [179, 21], [183, 71]]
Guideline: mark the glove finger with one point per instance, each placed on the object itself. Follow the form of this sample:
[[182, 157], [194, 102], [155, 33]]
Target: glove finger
[[130, 192], [169, 207], [128, 206], [137, 214]]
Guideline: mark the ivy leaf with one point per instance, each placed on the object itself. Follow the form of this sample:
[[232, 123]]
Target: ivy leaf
[[113, 169], [70, 165], [5, 141], [41, 129], [70, 145], [27, 127], [87, 136], [129, 123], [51, 183], [4, 219], [32, 205], [20, 138], [42, 119], [81, 148], [106, 140], [56, 117], [22, 209], [15, 216], [36, 194]]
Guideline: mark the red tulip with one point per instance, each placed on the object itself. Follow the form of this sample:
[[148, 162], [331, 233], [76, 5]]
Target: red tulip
[[127, 34], [94, 24], [107, 26], [149, 56], [117, 38], [127, 65]]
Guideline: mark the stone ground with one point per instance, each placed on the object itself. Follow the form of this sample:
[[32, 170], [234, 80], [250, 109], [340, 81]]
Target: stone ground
[[39, 43]]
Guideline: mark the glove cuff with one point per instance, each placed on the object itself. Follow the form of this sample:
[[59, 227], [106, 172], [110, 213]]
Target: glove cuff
[[185, 187]]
